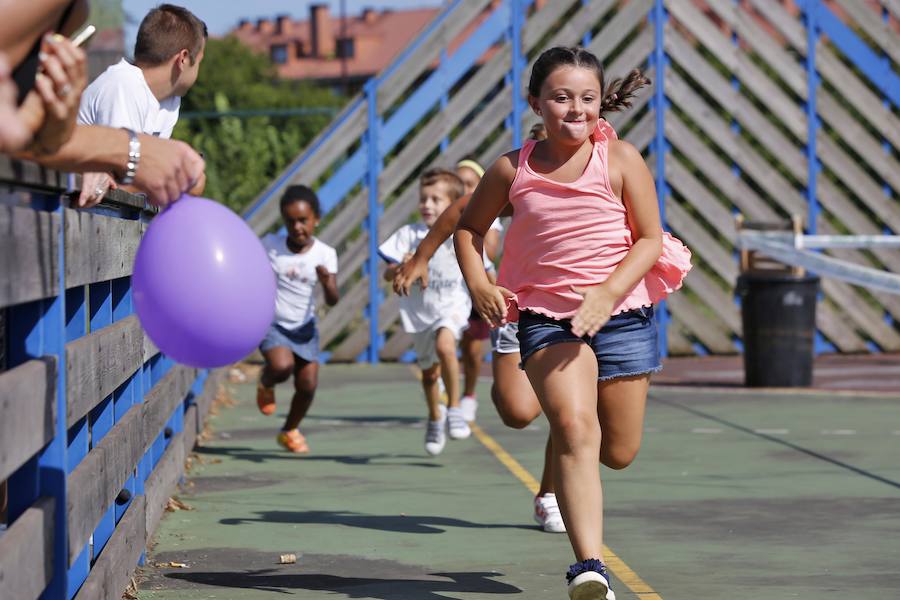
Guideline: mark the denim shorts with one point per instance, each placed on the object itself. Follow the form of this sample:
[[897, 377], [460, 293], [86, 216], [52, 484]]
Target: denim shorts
[[627, 345], [302, 341]]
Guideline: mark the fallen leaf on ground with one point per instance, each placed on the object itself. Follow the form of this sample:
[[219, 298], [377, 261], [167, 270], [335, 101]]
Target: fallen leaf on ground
[[288, 559]]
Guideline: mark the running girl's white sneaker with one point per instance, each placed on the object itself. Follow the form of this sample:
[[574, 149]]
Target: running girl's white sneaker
[[588, 580], [469, 406], [435, 437], [547, 515], [456, 424]]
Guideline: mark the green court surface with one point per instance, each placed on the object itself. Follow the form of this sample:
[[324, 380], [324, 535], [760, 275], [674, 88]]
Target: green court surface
[[735, 495]]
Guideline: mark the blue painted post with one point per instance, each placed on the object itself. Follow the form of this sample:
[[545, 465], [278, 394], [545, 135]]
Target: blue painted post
[[38, 329], [373, 171], [659, 145], [587, 37], [445, 142], [812, 121], [517, 23]]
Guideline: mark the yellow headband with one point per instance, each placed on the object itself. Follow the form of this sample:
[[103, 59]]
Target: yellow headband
[[471, 164]]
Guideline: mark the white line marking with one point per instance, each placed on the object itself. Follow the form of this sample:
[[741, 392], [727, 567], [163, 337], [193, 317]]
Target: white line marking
[[772, 431], [705, 430], [838, 432]]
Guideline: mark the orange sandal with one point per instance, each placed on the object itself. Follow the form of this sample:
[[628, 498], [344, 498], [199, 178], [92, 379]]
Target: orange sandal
[[293, 441], [265, 399]]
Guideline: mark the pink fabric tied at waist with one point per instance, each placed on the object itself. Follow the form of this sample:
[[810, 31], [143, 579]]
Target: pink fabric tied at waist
[[665, 277]]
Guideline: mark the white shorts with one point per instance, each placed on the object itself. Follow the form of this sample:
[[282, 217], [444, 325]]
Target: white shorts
[[425, 342], [505, 339]]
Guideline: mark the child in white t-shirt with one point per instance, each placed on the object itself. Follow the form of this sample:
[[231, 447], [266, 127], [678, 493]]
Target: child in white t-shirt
[[437, 315], [300, 261]]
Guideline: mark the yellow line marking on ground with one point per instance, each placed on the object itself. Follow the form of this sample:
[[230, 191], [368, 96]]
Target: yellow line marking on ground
[[625, 574]]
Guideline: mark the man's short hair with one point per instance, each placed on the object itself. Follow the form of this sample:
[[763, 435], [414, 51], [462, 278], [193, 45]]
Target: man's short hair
[[166, 31], [455, 186]]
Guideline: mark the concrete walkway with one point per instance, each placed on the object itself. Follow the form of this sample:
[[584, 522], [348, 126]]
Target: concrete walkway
[[736, 495]]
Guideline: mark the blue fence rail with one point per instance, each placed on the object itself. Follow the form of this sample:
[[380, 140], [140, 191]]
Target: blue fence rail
[[94, 421], [363, 167]]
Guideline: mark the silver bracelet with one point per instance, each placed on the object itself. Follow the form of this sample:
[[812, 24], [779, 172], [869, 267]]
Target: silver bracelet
[[134, 157]]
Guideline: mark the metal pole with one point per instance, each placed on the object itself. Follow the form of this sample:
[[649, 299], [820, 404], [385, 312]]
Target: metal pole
[[812, 121], [658, 59], [517, 22], [374, 170]]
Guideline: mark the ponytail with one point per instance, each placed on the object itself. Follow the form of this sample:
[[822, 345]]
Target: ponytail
[[620, 92]]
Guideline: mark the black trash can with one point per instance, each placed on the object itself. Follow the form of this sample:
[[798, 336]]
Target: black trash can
[[779, 318]]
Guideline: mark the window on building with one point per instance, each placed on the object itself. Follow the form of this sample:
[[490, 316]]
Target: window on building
[[344, 48], [279, 53]]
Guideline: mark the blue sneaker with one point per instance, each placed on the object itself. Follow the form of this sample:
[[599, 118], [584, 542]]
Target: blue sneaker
[[588, 580]]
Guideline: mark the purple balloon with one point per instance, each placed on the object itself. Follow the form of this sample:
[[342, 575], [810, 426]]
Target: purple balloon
[[203, 286]]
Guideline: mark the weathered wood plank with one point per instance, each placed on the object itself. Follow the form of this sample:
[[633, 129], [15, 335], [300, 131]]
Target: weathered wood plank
[[874, 26], [869, 320], [726, 309], [27, 412], [708, 206], [831, 68], [720, 132], [99, 248], [99, 363], [567, 32], [31, 175], [704, 325], [396, 346], [98, 479], [191, 429], [351, 305], [211, 386], [113, 568], [26, 552], [29, 254], [443, 123], [744, 111], [163, 399], [679, 344], [625, 20], [858, 138], [719, 172], [347, 220], [702, 244], [161, 483], [749, 32], [847, 169], [750, 75], [318, 156], [421, 60]]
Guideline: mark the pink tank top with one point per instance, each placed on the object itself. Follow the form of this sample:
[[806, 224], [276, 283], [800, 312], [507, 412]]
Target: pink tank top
[[576, 234]]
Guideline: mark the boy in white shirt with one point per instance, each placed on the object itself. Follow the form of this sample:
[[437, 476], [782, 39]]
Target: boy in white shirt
[[145, 97], [291, 346], [437, 315]]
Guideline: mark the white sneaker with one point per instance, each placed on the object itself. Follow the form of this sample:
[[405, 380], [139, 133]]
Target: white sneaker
[[469, 406], [435, 437], [590, 585], [547, 515], [456, 424]]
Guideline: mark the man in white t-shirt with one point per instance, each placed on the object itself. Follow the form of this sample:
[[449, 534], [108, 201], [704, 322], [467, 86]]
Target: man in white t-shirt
[[145, 96], [437, 315]]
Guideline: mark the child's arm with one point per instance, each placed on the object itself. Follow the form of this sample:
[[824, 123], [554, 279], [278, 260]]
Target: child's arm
[[417, 266], [639, 197], [329, 285], [489, 198], [390, 272]]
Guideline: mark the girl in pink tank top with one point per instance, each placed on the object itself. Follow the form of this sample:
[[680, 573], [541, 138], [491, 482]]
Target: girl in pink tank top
[[585, 259]]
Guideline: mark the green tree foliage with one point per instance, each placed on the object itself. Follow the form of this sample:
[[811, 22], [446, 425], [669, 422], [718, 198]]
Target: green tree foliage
[[243, 154]]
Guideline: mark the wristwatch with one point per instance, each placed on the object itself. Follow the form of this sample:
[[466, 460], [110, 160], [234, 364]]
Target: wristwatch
[[134, 157]]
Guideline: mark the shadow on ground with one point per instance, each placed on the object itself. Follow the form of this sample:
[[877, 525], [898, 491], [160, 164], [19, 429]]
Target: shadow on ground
[[249, 454], [391, 523], [355, 587]]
